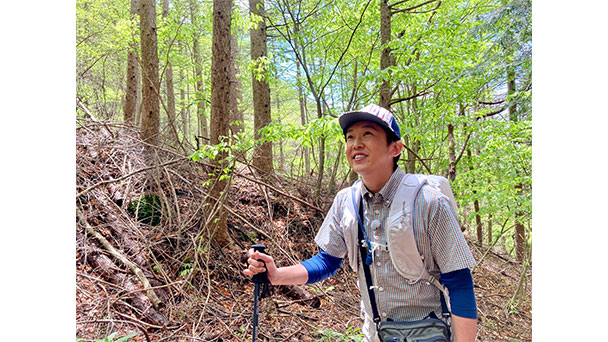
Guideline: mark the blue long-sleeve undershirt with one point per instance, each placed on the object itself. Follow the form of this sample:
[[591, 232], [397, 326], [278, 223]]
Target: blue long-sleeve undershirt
[[459, 282], [321, 266], [462, 295]]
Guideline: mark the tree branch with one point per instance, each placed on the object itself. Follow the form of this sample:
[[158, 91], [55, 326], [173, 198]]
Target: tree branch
[[418, 157], [413, 7], [136, 270], [421, 93], [84, 192]]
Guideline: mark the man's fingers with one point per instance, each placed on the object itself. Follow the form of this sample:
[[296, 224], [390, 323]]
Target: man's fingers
[[256, 263], [261, 256]]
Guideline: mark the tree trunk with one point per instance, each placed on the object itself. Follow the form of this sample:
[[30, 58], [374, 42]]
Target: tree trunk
[[174, 139], [281, 155], [262, 157], [184, 111], [476, 204], [451, 153], [334, 171], [303, 119], [385, 54], [150, 83], [520, 233], [410, 142], [321, 153], [198, 70], [490, 229], [235, 87], [220, 115], [132, 76]]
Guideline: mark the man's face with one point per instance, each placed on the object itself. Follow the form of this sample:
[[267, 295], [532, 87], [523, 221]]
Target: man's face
[[367, 150]]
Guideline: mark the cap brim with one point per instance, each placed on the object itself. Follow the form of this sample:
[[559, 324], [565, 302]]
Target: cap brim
[[350, 118]]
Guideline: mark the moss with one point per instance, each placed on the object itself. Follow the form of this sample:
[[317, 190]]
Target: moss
[[146, 209]]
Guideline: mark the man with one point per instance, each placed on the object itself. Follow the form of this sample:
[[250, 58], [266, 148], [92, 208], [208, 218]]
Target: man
[[373, 147]]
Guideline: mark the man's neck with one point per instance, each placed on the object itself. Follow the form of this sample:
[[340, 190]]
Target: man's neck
[[375, 184]]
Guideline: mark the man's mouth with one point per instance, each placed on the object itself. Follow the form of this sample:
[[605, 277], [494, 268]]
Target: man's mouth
[[359, 156]]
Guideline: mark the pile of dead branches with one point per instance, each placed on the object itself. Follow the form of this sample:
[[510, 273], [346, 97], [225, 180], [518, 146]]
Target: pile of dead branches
[[169, 279]]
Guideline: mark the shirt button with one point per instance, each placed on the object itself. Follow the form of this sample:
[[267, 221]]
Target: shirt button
[[377, 211], [381, 289], [378, 264], [384, 314]]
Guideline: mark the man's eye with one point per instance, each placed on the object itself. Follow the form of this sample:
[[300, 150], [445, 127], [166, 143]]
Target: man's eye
[[349, 137]]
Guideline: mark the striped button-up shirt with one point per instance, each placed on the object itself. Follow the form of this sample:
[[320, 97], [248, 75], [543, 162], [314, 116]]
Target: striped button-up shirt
[[438, 237]]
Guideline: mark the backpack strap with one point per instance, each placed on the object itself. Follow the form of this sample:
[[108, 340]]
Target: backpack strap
[[365, 251], [405, 254]]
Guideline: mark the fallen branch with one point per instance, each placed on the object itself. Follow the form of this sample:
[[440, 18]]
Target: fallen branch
[[136, 270], [84, 192]]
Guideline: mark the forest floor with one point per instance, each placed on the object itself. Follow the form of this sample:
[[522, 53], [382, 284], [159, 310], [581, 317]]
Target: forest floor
[[202, 294]]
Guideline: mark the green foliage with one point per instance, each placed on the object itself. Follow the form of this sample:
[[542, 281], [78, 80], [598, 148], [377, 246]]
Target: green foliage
[[450, 68], [112, 338], [146, 209], [351, 334]]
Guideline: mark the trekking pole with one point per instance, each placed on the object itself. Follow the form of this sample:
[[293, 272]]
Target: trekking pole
[[258, 279]]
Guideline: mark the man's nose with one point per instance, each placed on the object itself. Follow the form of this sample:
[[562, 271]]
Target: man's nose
[[357, 142]]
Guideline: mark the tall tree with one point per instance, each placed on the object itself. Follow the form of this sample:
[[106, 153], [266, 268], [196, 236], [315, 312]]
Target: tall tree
[[185, 109], [236, 96], [150, 83], [520, 231], [220, 111], [385, 55], [262, 158], [132, 74], [198, 71], [303, 120], [174, 140]]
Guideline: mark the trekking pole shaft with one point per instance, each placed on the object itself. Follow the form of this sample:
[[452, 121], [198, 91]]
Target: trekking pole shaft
[[258, 279], [255, 312]]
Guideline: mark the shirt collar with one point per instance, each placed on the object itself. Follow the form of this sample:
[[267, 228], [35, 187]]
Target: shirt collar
[[389, 189]]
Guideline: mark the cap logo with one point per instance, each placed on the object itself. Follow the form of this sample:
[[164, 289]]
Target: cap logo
[[380, 112]]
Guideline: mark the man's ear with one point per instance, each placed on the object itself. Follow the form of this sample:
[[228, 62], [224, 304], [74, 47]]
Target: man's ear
[[396, 148]]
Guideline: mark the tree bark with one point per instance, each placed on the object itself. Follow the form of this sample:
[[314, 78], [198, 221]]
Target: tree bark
[[478, 223], [414, 145], [451, 153], [185, 111], [236, 95], [490, 229], [385, 54], [132, 76], [262, 158], [220, 115], [150, 83], [520, 232], [174, 140]]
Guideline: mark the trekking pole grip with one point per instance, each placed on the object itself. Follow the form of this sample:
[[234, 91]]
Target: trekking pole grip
[[260, 277]]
